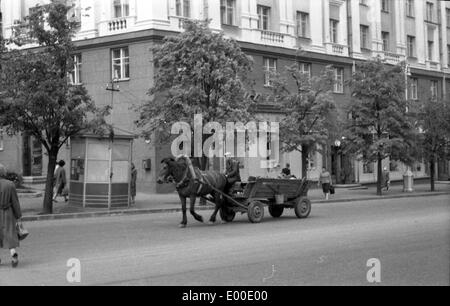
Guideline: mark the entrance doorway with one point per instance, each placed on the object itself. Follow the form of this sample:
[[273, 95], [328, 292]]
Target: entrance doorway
[[32, 158], [342, 168]]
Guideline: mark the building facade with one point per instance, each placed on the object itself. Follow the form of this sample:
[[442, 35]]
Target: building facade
[[116, 37]]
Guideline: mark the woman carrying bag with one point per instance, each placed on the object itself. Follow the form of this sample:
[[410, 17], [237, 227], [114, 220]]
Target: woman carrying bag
[[11, 228], [327, 183]]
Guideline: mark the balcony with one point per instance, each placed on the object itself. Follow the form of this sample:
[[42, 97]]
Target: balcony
[[337, 49], [272, 37], [432, 65], [177, 22], [116, 25], [393, 58]]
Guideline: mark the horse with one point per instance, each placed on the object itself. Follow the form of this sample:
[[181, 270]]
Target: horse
[[192, 183]]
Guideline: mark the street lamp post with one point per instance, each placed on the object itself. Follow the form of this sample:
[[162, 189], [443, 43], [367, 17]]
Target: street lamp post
[[408, 176]]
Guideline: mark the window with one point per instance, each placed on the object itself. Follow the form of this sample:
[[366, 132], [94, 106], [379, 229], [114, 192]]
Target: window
[[120, 64], [429, 12], [302, 24], [385, 38], [414, 89], [447, 13], [411, 46], [263, 17], [368, 168], [312, 161], [418, 167], [74, 13], [183, 8], [270, 67], [393, 166], [364, 37], [385, 6], [305, 68], [339, 80], [434, 89], [448, 55], [228, 8], [2, 147], [334, 25], [75, 76], [410, 8], [430, 50], [121, 8]]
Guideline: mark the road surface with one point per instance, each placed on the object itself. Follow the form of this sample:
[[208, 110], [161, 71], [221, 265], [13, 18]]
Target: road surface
[[410, 237]]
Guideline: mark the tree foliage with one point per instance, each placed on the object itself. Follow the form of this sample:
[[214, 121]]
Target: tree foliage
[[433, 119], [36, 97], [197, 72], [308, 104], [379, 125]]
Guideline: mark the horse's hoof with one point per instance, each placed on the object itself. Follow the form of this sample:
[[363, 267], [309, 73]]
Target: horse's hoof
[[182, 226], [200, 219]]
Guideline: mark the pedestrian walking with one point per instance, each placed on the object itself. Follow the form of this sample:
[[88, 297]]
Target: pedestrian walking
[[386, 179], [61, 182], [326, 181], [133, 183], [10, 217]]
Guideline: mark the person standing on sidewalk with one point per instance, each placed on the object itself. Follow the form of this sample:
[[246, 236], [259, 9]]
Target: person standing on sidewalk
[[133, 183], [10, 216], [386, 179], [326, 181], [61, 182]]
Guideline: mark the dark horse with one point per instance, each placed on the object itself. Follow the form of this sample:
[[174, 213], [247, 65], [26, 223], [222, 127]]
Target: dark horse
[[188, 184]]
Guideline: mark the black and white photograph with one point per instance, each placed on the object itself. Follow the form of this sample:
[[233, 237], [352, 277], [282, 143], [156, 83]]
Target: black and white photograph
[[224, 148]]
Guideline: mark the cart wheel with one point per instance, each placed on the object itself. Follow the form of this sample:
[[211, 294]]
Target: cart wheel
[[227, 214], [302, 208], [276, 211], [255, 212]]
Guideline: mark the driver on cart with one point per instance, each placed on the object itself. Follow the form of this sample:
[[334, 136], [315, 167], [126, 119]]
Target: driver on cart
[[232, 172]]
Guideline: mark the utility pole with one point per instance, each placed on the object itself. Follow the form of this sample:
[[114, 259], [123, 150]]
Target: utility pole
[[112, 88]]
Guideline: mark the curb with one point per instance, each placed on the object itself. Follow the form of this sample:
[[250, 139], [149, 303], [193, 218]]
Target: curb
[[132, 212]]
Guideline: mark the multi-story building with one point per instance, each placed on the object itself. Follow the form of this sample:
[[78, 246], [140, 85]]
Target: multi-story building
[[116, 37]]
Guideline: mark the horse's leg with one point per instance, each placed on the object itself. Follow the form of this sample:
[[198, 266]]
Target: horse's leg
[[183, 223], [193, 213], [217, 208]]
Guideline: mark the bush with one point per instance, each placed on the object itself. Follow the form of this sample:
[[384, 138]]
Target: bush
[[15, 178]]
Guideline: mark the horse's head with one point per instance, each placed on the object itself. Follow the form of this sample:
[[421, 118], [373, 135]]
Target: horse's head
[[166, 170]]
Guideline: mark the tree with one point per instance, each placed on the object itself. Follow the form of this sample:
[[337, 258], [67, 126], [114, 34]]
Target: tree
[[198, 72], [308, 110], [379, 126], [433, 120], [36, 96]]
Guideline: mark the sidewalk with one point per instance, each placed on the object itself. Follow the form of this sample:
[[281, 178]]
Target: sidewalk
[[156, 203]]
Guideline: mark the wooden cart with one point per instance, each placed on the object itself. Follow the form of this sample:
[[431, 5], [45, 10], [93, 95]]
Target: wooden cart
[[277, 194]]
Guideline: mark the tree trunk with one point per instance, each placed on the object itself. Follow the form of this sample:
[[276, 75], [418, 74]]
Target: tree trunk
[[48, 198], [380, 175], [305, 155], [432, 173]]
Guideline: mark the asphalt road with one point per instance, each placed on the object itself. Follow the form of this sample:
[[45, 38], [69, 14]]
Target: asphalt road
[[410, 238]]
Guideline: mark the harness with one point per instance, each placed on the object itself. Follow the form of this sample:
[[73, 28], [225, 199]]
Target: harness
[[197, 175]]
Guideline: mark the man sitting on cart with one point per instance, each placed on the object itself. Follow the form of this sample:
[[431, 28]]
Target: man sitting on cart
[[232, 172]]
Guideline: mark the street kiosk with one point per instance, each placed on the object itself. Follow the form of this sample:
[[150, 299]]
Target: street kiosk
[[100, 170]]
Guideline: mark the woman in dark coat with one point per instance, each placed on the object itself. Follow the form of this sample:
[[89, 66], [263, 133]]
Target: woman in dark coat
[[10, 214], [133, 183], [60, 181]]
